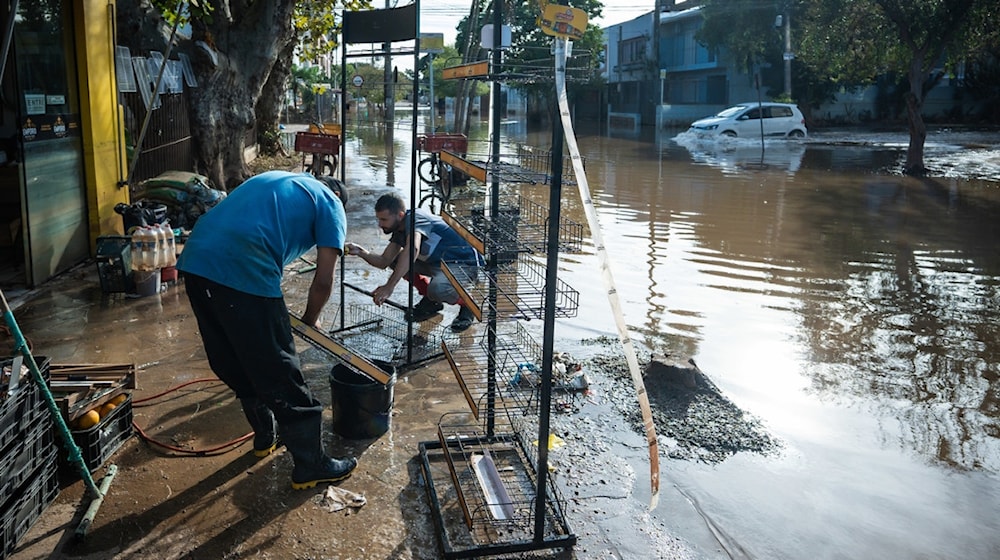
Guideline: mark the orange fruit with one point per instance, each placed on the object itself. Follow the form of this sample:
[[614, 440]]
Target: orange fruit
[[88, 420], [119, 399], [106, 409]]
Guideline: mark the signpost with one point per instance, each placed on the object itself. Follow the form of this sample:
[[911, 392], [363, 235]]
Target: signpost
[[432, 43]]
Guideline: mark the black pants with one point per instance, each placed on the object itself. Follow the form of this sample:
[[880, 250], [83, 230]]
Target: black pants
[[249, 344]]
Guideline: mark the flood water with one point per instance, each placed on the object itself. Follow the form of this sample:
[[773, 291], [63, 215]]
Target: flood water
[[850, 309]]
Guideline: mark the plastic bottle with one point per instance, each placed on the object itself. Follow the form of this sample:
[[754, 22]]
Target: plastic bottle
[[137, 248], [149, 260], [162, 256], [171, 259]]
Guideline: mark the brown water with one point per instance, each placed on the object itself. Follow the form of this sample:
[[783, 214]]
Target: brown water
[[852, 310]]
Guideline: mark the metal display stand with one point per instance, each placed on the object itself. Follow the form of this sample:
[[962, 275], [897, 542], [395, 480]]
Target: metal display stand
[[487, 474], [365, 329]]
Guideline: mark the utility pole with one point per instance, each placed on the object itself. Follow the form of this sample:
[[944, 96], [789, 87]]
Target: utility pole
[[788, 56]]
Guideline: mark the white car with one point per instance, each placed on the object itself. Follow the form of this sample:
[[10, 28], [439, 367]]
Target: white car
[[744, 120]]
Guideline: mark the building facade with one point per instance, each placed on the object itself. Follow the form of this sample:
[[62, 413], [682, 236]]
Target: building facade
[[62, 165]]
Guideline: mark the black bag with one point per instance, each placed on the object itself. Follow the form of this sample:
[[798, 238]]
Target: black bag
[[141, 213]]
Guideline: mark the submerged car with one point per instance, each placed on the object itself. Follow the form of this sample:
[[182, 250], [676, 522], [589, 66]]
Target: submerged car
[[744, 121]]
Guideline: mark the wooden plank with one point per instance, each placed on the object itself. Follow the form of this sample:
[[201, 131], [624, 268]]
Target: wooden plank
[[481, 68], [471, 238], [477, 172], [338, 350], [473, 405], [446, 448], [470, 301]]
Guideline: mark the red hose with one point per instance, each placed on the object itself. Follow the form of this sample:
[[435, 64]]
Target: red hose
[[218, 449]]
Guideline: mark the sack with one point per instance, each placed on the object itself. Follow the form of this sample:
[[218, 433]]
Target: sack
[[185, 195]]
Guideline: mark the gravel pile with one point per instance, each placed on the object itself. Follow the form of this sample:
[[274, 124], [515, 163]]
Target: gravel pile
[[692, 423]]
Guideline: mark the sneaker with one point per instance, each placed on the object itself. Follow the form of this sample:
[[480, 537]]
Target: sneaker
[[333, 470], [423, 310], [464, 320]]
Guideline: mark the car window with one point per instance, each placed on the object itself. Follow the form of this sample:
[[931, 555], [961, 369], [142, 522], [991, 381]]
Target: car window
[[778, 111], [731, 111], [752, 113]]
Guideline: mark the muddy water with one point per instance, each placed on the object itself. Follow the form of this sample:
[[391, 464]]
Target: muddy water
[[853, 311]]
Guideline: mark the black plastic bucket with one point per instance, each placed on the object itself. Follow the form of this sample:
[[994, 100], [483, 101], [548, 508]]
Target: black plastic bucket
[[362, 407]]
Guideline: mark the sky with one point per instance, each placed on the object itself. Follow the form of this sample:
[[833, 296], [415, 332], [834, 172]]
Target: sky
[[442, 16]]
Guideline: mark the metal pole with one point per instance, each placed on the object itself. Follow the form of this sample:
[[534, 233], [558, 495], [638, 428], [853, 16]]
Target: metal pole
[[430, 68], [788, 55]]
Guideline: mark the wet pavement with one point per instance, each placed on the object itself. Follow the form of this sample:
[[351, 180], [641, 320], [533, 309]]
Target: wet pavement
[[227, 504], [845, 316]]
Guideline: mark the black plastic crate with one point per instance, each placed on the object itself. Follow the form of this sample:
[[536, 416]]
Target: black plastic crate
[[114, 263], [26, 457], [22, 409], [20, 512], [101, 441]]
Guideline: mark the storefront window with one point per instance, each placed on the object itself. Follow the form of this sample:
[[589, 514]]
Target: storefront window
[[46, 70]]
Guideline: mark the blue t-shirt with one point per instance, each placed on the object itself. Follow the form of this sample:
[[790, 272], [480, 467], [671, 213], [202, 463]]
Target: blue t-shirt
[[263, 225], [438, 241]]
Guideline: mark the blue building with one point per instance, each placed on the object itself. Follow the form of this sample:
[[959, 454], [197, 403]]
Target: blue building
[[657, 74]]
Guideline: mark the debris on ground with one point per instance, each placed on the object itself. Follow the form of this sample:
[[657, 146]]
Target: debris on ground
[[693, 419], [335, 499]]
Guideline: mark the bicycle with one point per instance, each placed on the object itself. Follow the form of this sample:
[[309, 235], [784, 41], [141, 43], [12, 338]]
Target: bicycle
[[322, 147], [438, 175]]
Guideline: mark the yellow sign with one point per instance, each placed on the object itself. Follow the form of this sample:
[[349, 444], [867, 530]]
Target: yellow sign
[[563, 21], [472, 170], [432, 42], [481, 68]]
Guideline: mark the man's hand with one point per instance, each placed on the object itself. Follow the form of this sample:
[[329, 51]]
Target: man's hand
[[381, 294], [353, 249]]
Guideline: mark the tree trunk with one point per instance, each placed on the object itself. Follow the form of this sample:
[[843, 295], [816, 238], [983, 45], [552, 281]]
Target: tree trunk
[[233, 56], [918, 129], [270, 102]]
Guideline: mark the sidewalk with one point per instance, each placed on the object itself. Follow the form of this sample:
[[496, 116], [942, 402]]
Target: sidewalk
[[231, 505]]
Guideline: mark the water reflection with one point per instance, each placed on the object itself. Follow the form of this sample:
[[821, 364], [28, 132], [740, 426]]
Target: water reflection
[[885, 286], [736, 155], [851, 308], [870, 289]]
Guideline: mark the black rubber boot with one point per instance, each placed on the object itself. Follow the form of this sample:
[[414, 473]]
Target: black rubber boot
[[265, 440], [312, 466]]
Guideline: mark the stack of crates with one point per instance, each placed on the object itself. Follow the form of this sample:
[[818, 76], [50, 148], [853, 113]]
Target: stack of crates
[[29, 479]]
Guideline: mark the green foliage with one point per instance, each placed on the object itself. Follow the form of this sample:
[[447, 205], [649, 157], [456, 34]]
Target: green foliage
[[530, 54], [442, 87], [317, 25], [743, 29], [185, 10]]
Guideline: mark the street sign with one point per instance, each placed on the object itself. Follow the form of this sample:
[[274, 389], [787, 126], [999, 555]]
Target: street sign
[[432, 42], [358, 80], [788, 56]]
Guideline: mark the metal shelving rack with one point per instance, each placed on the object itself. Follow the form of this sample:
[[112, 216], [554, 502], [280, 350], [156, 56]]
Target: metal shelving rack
[[487, 476]]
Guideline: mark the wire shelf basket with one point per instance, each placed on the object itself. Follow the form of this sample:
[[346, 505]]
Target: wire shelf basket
[[495, 485], [382, 334]]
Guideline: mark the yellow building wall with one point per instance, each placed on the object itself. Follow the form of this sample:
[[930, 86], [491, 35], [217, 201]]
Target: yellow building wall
[[105, 167]]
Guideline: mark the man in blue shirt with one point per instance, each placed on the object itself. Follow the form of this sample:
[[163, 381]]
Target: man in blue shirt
[[438, 243], [232, 265]]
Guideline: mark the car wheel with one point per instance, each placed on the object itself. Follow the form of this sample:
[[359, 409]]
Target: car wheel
[[729, 133], [796, 134]]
